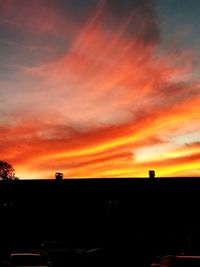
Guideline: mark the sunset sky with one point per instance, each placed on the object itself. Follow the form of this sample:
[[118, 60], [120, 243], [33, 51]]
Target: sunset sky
[[100, 88]]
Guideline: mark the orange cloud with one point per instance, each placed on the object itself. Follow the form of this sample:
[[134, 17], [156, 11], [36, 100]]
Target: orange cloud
[[91, 110]]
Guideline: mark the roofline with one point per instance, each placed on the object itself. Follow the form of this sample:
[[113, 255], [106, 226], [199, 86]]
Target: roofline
[[25, 254]]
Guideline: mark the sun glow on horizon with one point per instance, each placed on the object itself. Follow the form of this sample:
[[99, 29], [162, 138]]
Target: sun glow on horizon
[[95, 90]]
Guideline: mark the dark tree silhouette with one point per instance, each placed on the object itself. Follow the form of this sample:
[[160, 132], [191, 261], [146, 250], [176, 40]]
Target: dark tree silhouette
[[6, 171]]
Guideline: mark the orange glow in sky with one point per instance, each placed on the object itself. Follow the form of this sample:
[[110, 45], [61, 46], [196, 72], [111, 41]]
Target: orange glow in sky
[[98, 89]]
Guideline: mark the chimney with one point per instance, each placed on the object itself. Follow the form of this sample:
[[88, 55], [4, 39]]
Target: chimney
[[151, 174], [58, 175]]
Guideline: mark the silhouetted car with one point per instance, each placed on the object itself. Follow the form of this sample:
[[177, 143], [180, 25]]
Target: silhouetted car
[[178, 261], [60, 253], [27, 259]]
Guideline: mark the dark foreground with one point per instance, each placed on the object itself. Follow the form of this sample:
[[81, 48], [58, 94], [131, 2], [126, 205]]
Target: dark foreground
[[128, 221]]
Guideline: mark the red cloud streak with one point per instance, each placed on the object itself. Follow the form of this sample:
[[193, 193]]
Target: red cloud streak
[[111, 94]]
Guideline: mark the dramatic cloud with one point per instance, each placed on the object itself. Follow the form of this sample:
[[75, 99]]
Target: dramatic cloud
[[89, 89]]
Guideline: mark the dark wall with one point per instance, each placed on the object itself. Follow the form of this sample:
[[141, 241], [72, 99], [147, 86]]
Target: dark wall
[[155, 216]]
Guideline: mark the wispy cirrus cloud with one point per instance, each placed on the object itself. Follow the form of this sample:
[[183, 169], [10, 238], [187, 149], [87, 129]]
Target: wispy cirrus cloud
[[102, 95]]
